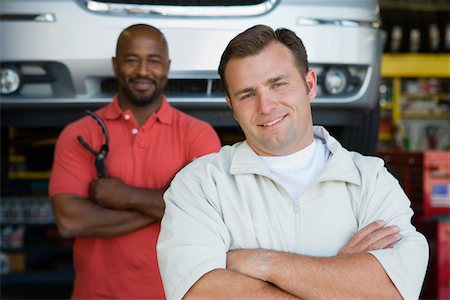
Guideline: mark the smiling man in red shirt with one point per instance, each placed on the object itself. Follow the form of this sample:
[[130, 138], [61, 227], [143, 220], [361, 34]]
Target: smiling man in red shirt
[[116, 220]]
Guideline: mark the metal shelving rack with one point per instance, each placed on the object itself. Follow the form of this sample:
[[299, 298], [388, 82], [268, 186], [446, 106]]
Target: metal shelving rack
[[408, 65]]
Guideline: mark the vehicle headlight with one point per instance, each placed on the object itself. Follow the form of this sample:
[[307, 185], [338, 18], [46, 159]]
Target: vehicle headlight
[[9, 80], [336, 81]]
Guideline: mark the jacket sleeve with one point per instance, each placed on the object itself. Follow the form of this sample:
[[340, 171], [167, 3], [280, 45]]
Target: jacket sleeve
[[201, 241], [406, 262]]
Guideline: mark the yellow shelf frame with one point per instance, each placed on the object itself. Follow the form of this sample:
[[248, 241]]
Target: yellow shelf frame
[[28, 175], [415, 65], [396, 94]]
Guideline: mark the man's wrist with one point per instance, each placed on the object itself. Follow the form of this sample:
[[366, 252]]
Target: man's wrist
[[268, 264]]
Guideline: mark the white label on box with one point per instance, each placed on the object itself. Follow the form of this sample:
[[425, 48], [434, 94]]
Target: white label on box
[[440, 196]]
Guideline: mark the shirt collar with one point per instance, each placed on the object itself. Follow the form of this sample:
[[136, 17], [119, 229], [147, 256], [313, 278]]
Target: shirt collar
[[164, 115], [165, 112]]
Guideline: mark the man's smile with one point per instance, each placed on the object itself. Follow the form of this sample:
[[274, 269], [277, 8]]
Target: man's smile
[[273, 122], [142, 83]]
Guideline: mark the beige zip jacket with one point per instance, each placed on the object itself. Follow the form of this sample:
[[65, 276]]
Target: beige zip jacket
[[230, 200]]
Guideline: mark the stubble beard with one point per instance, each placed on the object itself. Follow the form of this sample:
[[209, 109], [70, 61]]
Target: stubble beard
[[142, 100]]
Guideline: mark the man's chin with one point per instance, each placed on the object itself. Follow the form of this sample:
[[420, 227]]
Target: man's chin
[[143, 94], [144, 100]]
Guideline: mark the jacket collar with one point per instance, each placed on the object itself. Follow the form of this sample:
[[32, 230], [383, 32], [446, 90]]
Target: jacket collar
[[339, 167], [246, 161]]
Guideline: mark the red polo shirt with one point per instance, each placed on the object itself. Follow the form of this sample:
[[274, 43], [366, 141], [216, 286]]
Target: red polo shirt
[[126, 267]]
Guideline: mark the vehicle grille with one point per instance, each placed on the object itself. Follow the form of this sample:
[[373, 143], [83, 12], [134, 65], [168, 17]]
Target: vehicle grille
[[188, 2], [181, 8], [184, 87]]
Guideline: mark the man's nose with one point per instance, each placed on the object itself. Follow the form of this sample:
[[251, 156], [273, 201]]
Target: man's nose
[[265, 102], [143, 68]]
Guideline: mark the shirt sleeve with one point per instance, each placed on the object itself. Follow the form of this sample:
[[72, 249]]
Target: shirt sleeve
[[73, 166], [406, 262], [193, 239], [204, 140]]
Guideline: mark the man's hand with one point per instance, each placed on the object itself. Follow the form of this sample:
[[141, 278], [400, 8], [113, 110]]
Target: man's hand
[[109, 192], [374, 236]]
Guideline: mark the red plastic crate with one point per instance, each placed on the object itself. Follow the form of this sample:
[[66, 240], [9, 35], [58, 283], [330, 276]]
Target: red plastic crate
[[443, 259], [437, 279]]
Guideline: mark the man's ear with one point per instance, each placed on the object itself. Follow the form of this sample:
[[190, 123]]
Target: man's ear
[[229, 103], [311, 84], [114, 65]]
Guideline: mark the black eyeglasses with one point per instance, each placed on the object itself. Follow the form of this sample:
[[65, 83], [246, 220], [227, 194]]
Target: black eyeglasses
[[100, 156]]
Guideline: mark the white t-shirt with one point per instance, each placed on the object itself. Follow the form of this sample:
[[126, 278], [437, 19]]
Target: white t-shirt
[[297, 171]]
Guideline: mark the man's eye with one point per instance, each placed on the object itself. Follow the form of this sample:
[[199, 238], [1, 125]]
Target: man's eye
[[154, 61], [131, 61], [278, 84], [246, 96]]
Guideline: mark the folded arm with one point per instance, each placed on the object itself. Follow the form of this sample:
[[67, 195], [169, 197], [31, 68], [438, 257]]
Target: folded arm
[[115, 194], [77, 216], [113, 208], [351, 274], [228, 284]]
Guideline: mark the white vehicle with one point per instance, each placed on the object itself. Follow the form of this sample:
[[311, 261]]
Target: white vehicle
[[56, 56]]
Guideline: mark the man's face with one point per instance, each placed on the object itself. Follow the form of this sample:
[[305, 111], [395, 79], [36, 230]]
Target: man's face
[[141, 68], [270, 100]]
